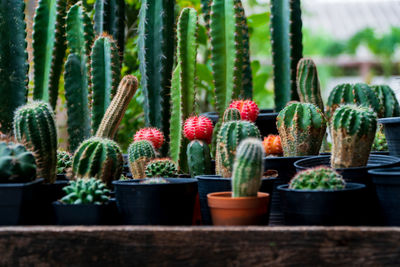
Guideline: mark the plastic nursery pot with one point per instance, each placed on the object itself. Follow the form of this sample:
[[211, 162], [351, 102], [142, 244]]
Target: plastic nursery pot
[[327, 207], [214, 183], [227, 210], [392, 128], [17, 201], [387, 184], [156, 204]]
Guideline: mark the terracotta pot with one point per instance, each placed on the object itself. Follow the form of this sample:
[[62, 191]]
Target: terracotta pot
[[226, 210]]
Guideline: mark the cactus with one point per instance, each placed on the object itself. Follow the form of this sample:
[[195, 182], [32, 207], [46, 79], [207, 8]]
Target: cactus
[[308, 86], [287, 48], [86, 191], [272, 145], [387, 100], [302, 127], [199, 128], [100, 158], [13, 61], [358, 94], [206, 9], [353, 130], [105, 75], [248, 109], [229, 137], [380, 143], [116, 111], [156, 55], [231, 114], [154, 181], [49, 46], [199, 158], [64, 162], [164, 167], [17, 165], [319, 178], [153, 135], [139, 154], [248, 168]]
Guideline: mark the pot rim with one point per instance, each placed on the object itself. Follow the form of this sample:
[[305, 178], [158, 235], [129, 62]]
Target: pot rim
[[36, 181], [289, 158], [390, 120], [228, 195], [385, 171], [349, 187], [219, 177]]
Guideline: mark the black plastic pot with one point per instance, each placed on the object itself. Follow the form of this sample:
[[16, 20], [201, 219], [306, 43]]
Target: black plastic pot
[[330, 207], [17, 201], [392, 128], [215, 183], [387, 184], [156, 204]]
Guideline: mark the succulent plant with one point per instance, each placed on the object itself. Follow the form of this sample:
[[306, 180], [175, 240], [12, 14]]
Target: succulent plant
[[139, 154], [153, 135], [164, 168], [248, 109], [248, 168], [272, 145], [17, 165], [319, 178], [198, 128], [199, 158], [232, 114], [387, 100], [380, 143], [64, 161], [154, 181], [353, 130], [34, 125], [302, 127], [86, 191]]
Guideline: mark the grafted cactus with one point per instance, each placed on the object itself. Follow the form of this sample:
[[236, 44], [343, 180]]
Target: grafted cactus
[[139, 154], [199, 158], [387, 100]]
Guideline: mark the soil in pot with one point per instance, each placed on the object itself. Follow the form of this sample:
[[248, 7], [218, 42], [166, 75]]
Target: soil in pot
[[392, 128], [83, 214]]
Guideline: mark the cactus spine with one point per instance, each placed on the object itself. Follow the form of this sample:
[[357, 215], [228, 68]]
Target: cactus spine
[[302, 127], [353, 131], [34, 124], [13, 61], [319, 178], [248, 168], [388, 101], [199, 159], [139, 154]]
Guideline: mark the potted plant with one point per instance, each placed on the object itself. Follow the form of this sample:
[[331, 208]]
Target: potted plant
[[244, 205], [64, 164]]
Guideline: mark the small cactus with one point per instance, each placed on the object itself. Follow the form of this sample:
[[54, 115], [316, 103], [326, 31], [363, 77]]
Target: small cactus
[[319, 178], [154, 181], [232, 114], [380, 143], [199, 159], [153, 135], [164, 167], [248, 109], [64, 162], [86, 191], [139, 154], [199, 128], [387, 100], [272, 145]]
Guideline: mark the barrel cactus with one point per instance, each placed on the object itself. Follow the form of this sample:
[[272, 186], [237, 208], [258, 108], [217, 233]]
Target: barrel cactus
[[302, 127], [319, 178], [387, 100], [164, 167], [139, 154], [86, 191], [199, 158], [232, 114], [353, 130]]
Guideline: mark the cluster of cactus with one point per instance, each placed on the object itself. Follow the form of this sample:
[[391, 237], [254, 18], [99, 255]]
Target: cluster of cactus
[[17, 164], [64, 162], [154, 180], [272, 145], [319, 178], [85, 191], [139, 154], [380, 143], [163, 167]]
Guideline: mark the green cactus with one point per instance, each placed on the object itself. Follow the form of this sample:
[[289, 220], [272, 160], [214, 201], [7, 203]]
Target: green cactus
[[302, 127], [248, 168], [154, 181], [116, 111], [34, 125], [139, 154], [387, 100], [13, 61], [17, 165], [86, 191], [164, 168], [353, 130], [105, 75], [100, 158], [229, 137], [64, 162], [156, 55], [358, 94], [49, 46], [380, 143], [199, 158], [319, 178], [308, 86]]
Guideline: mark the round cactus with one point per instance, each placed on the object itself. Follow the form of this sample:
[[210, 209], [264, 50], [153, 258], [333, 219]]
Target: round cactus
[[199, 159], [139, 154], [100, 158], [387, 100], [272, 145], [86, 191], [302, 127], [248, 109], [231, 114], [161, 168], [64, 161], [153, 135], [198, 128], [248, 168], [154, 181], [319, 178], [353, 130]]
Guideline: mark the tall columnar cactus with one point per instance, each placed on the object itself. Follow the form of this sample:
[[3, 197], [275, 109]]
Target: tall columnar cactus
[[34, 125], [206, 9], [229, 52], [358, 94], [302, 127], [248, 168], [353, 131], [287, 48], [139, 154], [105, 75], [319, 178], [308, 86], [156, 55], [229, 137], [100, 158], [116, 111], [387, 100], [49, 46], [13, 61], [199, 158]]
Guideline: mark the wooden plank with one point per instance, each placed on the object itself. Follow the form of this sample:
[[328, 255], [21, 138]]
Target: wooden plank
[[196, 246]]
